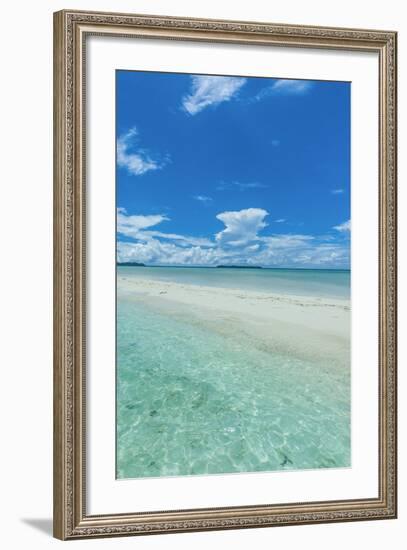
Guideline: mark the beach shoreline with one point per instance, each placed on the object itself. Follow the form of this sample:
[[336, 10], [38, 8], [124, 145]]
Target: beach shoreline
[[304, 326], [221, 380]]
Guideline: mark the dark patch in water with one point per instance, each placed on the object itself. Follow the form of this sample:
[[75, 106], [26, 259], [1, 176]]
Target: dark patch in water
[[286, 461]]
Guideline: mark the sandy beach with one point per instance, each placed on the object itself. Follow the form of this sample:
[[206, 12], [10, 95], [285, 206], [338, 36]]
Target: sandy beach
[[218, 379], [303, 326]]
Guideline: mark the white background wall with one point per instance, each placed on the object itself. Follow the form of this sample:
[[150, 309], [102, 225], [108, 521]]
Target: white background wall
[[26, 253]]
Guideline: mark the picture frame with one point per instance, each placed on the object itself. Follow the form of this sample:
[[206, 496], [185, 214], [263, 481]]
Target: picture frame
[[72, 385]]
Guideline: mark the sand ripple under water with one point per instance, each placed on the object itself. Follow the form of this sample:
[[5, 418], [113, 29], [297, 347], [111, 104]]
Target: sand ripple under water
[[212, 386]]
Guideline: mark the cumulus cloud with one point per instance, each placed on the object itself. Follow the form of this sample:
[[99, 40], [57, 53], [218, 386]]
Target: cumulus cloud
[[209, 91], [165, 253], [136, 160], [343, 227], [242, 242], [302, 251], [241, 226]]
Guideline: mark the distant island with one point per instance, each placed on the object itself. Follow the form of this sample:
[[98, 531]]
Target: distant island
[[225, 266], [131, 264], [240, 266]]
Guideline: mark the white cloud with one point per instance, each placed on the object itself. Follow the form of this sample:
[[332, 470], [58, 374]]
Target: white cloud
[[138, 161], [137, 227], [210, 90], [165, 253], [302, 251], [202, 198], [287, 241], [343, 227], [284, 87], [132, 226], [252, 248], [241, 186], [281, 220], [183, 240], [241, 242], [291, 86], [337, 191], [241, 226]]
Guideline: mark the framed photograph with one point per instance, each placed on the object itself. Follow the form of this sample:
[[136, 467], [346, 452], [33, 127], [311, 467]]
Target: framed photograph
[[225, 274]]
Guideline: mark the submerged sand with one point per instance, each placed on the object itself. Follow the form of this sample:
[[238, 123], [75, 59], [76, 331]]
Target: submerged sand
[[307, 327]]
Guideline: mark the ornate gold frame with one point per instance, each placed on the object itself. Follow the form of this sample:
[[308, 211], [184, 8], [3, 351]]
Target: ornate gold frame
[[70, 518]]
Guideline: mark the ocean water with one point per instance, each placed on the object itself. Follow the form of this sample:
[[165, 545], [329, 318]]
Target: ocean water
[[192, 401], [302, 282]]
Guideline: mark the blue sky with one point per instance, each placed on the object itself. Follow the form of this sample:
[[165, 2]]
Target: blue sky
[[232, 170]]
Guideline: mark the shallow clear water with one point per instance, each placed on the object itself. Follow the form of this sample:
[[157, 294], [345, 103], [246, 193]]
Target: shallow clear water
[[192, 401], [302, 282]]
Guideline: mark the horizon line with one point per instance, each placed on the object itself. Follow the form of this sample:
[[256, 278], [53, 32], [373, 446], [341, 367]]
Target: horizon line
[[128, 264]]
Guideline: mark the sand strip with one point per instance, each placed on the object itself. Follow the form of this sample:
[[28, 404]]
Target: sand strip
[[275, 322]]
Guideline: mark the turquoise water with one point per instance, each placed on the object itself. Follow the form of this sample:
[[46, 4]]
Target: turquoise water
[[191, 400], [301, 282]]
